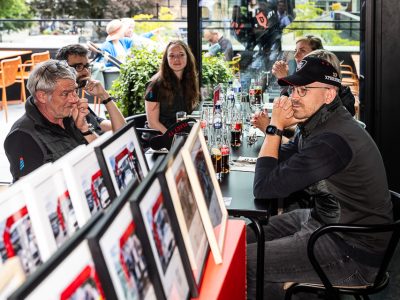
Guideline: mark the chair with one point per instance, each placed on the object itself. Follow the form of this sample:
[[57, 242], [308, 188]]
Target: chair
[[140, 125], [349, 78], [28, 65], [8, 76], [359, 292]]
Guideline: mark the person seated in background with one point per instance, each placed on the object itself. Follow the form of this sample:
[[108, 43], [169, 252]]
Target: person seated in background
[[77, 57], [218, 44], [54, 121], [339, 163], [116, 43], [143, 40], [174, 88], [304, 45]]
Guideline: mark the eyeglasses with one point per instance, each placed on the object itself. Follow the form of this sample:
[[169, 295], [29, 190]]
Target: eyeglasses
[[302, 90], [52, 68], [79, 67]]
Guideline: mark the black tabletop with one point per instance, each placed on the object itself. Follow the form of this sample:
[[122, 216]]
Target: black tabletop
[[239, 185]]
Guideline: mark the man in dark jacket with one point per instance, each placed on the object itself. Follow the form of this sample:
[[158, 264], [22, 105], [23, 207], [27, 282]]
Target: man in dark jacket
[[338, 162], [54, 122]]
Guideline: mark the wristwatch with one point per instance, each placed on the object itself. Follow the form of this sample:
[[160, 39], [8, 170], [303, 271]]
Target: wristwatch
[[89, 131], [105, 101], [272, 130]]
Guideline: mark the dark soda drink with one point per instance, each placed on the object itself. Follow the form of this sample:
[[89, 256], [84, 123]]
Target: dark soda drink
[[236, 138], [216, 159], [225, 159]]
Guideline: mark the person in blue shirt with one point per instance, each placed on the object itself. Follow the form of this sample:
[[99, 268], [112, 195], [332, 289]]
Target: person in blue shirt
[[116, 44]]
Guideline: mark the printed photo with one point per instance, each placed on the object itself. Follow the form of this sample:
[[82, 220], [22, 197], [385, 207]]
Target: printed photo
[[161, 229], [131, 266], [62, 217], [85, 286], [17, 239], [126, 166], [206, 184]]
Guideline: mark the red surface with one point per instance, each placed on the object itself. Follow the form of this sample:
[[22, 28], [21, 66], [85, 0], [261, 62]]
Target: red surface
[[227, 280]]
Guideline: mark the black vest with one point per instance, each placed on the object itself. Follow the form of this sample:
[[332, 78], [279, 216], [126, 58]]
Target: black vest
[[53, 140]]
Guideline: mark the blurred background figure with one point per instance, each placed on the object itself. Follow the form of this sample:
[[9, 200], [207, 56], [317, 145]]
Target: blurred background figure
[[139, 41], [116, 43], [284, 18], [218, 44]]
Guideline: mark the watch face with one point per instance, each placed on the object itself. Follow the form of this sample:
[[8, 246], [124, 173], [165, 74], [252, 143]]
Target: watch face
[[271, 129]]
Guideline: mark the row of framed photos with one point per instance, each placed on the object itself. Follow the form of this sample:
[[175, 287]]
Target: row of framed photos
[[136, 234]]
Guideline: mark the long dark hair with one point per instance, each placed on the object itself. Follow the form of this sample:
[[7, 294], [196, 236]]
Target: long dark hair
[[170, 84]]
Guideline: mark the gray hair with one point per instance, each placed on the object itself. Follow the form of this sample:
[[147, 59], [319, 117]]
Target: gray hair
[[45, 76], [329, 57]]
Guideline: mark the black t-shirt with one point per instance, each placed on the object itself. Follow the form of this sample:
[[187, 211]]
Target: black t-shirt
[[167, 112]]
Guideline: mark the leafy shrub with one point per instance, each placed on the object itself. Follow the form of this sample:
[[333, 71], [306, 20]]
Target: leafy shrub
[[215, 69], [129, 88]]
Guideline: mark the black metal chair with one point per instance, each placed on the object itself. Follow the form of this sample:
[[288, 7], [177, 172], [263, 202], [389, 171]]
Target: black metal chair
[[143, 132], [359, 292]]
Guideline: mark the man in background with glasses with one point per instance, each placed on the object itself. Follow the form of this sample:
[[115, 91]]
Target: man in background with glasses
[[338, 163], [77, 57], [54, 122]]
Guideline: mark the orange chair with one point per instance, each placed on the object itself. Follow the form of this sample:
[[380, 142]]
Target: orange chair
[[8, 76], [28, 65]]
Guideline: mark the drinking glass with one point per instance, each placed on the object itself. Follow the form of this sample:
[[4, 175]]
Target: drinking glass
[[180, 116]]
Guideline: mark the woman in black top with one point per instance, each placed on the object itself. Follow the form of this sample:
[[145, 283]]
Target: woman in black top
[[174, 88]]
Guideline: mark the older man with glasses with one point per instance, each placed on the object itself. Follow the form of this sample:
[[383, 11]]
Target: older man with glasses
[[54, 122], [339, 164], [77, 57]]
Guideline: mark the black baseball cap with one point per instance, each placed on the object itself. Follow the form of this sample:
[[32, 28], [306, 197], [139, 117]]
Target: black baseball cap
[[312, 69]]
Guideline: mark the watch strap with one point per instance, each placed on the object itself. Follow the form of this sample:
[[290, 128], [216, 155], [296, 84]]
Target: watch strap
[[273, 130], [105, 101], [85, 133]]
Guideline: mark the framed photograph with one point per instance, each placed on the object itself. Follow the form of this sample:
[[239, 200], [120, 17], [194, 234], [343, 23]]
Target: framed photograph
[[123, 263], [85, 180], [185, 216], [18, 237], [50, 205], [69, 274], [155, 230], [206, 189], [121, 159]]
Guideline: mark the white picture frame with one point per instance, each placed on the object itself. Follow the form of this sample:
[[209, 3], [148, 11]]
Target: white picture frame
[[18, 235], [85, 181], [51, 207], [208, 193]]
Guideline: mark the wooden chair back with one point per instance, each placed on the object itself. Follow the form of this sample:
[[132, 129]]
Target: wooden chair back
[[40, 57], [9, 69]]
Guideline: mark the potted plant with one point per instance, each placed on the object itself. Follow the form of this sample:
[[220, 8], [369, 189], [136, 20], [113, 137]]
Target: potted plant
[[130, 86], [214, 70]]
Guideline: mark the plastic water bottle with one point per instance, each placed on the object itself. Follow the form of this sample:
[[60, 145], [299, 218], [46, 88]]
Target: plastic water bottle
[[237, 89]]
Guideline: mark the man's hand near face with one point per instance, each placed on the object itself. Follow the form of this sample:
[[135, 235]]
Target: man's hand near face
[[94, 88], [79, 113]]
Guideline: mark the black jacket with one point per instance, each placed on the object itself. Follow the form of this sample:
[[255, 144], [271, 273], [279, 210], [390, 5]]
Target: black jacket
[[34, 141]]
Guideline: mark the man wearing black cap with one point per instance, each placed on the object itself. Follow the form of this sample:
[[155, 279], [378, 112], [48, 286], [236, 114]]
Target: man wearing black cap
[[338, 163]]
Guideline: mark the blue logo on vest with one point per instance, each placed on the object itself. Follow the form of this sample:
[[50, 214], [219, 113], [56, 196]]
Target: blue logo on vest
[[21, 163]]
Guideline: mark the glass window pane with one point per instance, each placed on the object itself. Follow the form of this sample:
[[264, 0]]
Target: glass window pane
[[263, 32]]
